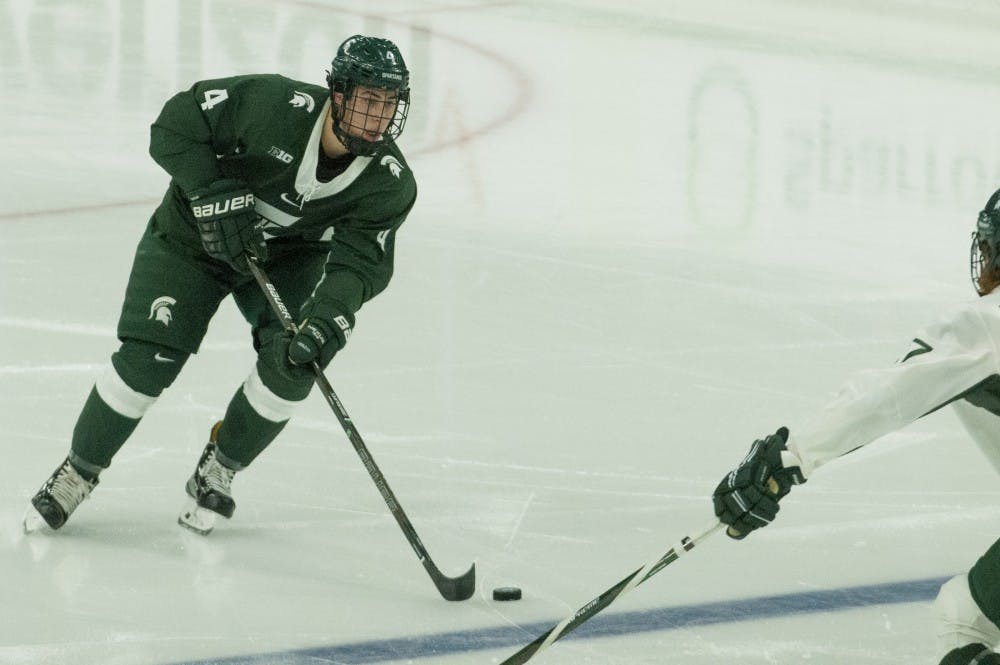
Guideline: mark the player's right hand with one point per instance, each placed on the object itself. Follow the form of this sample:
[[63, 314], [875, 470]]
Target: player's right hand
[[747, 498], [325, 328], [284, 365], [229, 226]]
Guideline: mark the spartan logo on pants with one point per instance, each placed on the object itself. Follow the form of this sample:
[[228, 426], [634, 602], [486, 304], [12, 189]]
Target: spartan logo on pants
[[160, 310]]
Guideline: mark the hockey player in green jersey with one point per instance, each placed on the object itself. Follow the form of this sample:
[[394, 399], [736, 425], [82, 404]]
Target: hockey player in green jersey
[[953, 362], [307, 180]]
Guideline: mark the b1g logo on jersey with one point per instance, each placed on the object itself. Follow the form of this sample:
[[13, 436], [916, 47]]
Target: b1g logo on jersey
[[280, 154], [160, 310], [222, 207]]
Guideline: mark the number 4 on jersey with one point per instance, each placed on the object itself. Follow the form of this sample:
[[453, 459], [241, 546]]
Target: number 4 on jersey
[[213, 97]]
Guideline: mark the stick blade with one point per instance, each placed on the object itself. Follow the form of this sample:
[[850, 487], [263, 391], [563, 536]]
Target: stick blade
[[453, 588]]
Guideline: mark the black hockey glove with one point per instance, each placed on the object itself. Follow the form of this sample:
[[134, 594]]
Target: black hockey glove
[[228, 224], [324, 331], [294, 373], [747, 498]]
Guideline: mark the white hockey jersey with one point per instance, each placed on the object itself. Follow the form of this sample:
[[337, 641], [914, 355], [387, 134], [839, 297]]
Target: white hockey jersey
[[953, 361]]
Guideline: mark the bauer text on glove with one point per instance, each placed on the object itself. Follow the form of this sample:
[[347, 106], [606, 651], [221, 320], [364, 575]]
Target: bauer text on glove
[[229, 226]]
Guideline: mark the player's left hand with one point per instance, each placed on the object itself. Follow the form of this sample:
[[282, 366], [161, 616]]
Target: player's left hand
[[747, 498], [324, 331]]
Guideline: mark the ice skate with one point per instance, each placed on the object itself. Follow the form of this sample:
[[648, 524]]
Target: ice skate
[[208, 491], [58, 498]]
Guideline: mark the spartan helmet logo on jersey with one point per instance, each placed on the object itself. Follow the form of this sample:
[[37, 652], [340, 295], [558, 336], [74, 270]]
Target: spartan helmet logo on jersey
[[370, 91], [160, 310], [395, 168], [301, 100]]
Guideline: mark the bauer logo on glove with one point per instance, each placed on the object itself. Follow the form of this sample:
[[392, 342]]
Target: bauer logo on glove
[[224, 206]]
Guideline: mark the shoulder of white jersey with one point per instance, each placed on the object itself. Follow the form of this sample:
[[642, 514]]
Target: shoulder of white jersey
[[987, 307], [974, 323]]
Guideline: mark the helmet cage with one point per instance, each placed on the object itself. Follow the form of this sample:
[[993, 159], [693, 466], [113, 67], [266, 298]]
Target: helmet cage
[[984, 257], [358, 119]]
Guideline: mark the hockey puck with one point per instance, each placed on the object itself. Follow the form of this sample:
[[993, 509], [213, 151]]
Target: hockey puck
[[507, 593]]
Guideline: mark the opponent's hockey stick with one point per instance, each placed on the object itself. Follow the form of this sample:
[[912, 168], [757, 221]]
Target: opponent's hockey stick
[[452, 588], [596, 605]]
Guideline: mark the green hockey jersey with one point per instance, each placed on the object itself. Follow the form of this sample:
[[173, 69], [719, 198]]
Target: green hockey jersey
[[265, 131]]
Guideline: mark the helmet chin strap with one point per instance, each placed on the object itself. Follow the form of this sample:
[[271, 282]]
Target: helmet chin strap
[[354, 144]]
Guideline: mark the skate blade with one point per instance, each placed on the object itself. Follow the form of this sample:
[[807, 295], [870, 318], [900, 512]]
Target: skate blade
[[33, 521], [197, 519]]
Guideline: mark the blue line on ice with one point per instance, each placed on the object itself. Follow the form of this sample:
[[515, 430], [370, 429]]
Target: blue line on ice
[[611, 624]]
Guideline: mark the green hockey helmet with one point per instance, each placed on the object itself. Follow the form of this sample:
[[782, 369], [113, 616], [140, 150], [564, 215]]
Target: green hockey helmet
[[375, 63], [984, 255]]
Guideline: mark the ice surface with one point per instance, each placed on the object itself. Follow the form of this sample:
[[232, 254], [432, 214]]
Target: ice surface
[[644, 237]]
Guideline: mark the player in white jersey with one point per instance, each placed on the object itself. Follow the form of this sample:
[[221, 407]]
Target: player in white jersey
[[954, 361]]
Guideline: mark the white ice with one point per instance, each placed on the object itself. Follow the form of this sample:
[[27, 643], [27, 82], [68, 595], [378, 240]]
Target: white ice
[[647, 233]]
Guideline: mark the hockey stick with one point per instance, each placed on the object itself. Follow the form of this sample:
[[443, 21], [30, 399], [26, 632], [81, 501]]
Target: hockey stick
[[596, 605], [452, 588]]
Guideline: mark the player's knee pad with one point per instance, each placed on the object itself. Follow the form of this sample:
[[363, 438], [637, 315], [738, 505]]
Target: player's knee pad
[[266, 401], [147, 368], [959, 619]]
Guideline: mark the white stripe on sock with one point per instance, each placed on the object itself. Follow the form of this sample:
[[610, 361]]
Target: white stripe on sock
[[265, 402], [122, 399]]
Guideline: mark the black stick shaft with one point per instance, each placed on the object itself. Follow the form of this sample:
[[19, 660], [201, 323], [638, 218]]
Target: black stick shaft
[[452, 588], [588, 611]]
